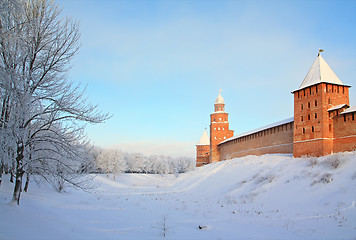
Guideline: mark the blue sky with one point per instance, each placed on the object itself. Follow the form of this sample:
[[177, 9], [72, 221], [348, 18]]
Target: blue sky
[[157, 66]]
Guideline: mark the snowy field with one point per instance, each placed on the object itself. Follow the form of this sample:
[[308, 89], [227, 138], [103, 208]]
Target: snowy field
[[267, 197]]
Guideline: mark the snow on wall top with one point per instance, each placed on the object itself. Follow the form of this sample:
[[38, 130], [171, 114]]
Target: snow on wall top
[[288, 120], [337, 107], [320, 72], [204, 140], [349, 110]]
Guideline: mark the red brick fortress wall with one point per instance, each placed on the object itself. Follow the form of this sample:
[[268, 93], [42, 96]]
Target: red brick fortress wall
[[344, 132], [277, 139]]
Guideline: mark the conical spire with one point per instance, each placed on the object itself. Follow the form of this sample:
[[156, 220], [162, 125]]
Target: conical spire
[[320, 72], [204, 140]]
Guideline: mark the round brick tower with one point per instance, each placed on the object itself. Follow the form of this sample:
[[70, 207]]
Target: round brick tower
[[219, 128]]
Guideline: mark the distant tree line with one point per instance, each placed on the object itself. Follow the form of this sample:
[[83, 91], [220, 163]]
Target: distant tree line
[[115, 161]]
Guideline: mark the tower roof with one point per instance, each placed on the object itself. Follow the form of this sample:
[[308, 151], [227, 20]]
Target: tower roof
[[219, 99], [320, 72], [204, 140]]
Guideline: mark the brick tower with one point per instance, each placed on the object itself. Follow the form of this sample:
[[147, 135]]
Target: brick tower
[[219, 128], [320, 95], [203, 150]]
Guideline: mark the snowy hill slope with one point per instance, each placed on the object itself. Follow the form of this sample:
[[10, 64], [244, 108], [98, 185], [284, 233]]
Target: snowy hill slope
[[266, 197]]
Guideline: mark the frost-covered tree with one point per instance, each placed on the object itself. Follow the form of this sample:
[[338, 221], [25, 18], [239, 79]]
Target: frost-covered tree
[[114, 161], [42, 112]]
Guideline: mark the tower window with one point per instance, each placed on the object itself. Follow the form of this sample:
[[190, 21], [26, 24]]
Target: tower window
[[312, 128], [329, 127], [301, 106], [315, 115], [308, 104], [308, 117], [303, 130], [316, 88], [316, 103], [301, 118], [344, 117], [329, 101]]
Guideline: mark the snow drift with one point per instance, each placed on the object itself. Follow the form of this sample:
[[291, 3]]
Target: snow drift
[[254, 197]]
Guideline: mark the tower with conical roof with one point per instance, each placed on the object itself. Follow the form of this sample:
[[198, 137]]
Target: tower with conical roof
[[203, 150], [319, 98], [219, 128]]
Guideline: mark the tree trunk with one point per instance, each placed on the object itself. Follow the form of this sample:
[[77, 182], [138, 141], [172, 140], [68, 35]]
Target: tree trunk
[[12, 170], [1, 171], [4, 112], [19, 173], [27, 181]]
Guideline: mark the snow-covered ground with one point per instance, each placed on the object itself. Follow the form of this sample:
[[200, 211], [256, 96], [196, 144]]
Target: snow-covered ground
[[266, 197]]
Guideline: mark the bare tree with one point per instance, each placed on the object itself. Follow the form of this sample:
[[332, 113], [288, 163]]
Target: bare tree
[[42, 112]]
